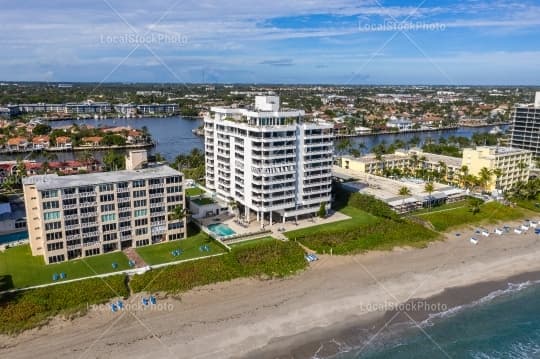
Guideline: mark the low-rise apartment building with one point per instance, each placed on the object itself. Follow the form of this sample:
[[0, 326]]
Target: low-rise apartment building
[[78, 216]]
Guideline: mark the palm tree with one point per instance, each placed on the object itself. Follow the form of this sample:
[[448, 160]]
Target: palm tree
[[429, 188], [497, 172], [443, 169], [464, 171], [404, 191], [178, 213], [484, 177]]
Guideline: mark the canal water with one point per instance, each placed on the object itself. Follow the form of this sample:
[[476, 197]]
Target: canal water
[[174, 135]]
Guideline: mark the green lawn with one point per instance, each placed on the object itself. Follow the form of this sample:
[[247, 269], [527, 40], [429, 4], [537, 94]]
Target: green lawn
[[267, 258], [361, 233], [194, 191], [489, 213], [443, 207], [251, 241], [529, 204], [358, 218], [203, 200], [20, 269], [161, 253]]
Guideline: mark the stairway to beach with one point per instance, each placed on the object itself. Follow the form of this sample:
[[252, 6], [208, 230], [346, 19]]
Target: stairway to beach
[[132, 254]]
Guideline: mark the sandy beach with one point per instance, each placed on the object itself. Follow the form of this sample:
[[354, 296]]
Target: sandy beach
[[286, 317]]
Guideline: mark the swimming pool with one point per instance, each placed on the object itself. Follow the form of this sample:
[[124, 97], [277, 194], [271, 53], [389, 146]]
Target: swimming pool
[[221, 229], [13, 237]]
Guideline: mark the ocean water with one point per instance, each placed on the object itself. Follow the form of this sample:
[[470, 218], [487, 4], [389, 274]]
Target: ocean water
[[505, 324]]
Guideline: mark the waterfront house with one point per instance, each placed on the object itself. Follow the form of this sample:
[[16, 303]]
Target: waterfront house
[[18, 144], [93, 141], [64, 142], [41, 142], [134, 136]]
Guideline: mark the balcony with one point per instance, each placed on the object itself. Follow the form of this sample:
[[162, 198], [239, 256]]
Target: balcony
[[88, 224], [73, 236], [126, 238], [72, 226], [71, 216], [70, 196], [88, 214], [156, 205], [74, 246], [87, 204], [69, 206], [87, 194], [156, 185], [156, 195], [122, 190], [123, 200], [93, 243], [90, 234]]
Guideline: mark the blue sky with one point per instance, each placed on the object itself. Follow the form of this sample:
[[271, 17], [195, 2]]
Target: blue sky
[[473, 42]]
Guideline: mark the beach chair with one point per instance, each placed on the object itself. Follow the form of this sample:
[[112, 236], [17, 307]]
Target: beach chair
[[498, 231], [145, 301], [524, 227], [131, 263], [474, 241], [120, 304], [485, 233], [63, 275], [517, 231], [114, 265], [114, 308], [55, 277], [152, 299]]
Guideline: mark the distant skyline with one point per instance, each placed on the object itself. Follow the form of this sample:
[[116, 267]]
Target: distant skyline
[[471, 42]]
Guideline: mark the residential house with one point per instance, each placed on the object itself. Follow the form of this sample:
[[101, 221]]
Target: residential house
[[93, 141], [64, 142], [18, 144], [41, 142]]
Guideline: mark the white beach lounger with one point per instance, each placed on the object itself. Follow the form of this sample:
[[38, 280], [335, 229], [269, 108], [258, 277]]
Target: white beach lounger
[[518, 231], [485, 233], [474, 240], [498, 231], [524, 227]]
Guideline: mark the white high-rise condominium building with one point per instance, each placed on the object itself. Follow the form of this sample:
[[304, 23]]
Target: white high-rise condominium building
[[268, 160], [525, 129]]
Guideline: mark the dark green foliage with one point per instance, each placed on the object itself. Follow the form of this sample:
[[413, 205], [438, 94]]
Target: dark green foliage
[[268, 259], [31, 308]]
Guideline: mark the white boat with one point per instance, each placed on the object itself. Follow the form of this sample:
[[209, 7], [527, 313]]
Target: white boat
[[495, 130], [474, 240]]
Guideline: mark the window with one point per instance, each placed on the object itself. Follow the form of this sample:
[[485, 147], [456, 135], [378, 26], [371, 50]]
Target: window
[[53, 225], [139, 183], [71, 222], [125, 224], [154, 181], [49, 194], [141, 231], [87, 220], [174, 179], [156, 210], [156, 200], [172, 237], [176, 225], [109, 227], [124, 215], [56, 259], [88, 210], [123, 195], [69, 191], [140, 212], [156, 191], [174, 189], [89, 199], [143, 242], [53, 236], [107, 187], [141, 222], [91, 252], [124, 205], [108, 217], [86, 189], [55, 246], [70, 212], [140, 193], [157, 219], [176, 198], [68, 202], [73, 232], [122, 185], [107, 207], [110, 236], [51, 215], [51, 205], [106, 197], [139, 203]]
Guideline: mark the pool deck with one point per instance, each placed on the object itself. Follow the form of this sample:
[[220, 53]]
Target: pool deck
[[277, 228]]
